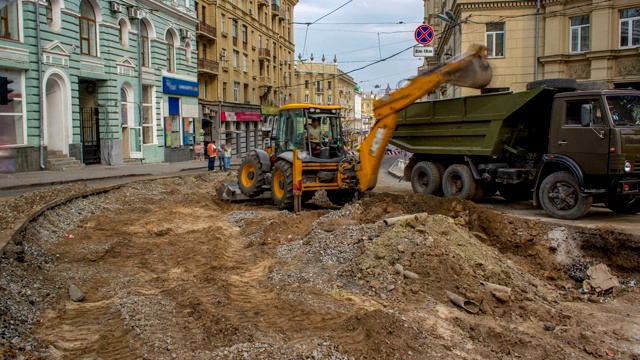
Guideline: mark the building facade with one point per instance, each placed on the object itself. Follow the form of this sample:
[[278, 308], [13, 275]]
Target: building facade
[[245, 67], [579, 39], [116, 81], [324, 83], [368, 118]]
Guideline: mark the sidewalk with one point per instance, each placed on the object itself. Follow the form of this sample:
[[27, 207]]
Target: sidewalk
[[97, 172]]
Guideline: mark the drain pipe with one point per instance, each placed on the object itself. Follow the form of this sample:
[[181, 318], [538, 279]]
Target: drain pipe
[[140, 97], [537, 42], [42, 86]]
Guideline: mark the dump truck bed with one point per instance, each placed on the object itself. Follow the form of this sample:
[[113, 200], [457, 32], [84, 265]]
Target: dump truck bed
[[487, 125]]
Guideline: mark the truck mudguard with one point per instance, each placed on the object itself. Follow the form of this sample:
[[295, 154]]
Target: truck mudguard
[[555, 159], [264, 159]]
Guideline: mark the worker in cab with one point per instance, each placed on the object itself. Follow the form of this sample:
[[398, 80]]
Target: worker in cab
[[212, 151], [314, 132]]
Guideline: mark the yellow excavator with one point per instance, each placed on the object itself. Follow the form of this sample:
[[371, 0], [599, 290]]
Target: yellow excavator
[[307, 153]]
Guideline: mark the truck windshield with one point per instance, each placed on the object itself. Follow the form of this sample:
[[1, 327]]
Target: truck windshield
[[624, 110]]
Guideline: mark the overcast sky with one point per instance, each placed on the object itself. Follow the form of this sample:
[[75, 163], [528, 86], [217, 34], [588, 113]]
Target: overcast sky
[[352, 32]]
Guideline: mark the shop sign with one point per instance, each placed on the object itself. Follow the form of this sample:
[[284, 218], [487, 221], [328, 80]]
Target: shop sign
[[239, 116], [179, 87]]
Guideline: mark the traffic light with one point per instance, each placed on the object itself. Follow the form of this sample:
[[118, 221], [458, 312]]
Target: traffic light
[[5, 91]]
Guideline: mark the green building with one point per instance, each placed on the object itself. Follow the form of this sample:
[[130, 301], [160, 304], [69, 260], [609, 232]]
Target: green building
[[118, 81]]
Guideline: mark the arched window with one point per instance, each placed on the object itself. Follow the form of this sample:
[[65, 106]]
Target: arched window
[[88, 31], [124, 32], [53, 14], [171, 52], [126, 110], [145, 45]]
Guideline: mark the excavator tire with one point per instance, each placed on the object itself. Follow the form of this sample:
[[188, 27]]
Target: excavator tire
[[458, 182], [282, 185], [251, 177], [340, 197]]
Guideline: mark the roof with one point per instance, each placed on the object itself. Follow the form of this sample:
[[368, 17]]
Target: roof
[[309, 106]]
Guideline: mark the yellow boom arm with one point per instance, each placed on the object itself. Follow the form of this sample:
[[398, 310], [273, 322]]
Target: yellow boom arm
[[470, 70]]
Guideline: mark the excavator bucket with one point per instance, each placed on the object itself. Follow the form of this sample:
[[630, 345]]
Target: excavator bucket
[[473, 71]]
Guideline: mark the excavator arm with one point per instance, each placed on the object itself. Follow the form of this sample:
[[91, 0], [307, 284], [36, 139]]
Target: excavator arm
[[469, 70]]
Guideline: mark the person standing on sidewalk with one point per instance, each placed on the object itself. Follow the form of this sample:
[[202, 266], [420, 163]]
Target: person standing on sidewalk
[[221, 157], [227, 156], [212, 152]]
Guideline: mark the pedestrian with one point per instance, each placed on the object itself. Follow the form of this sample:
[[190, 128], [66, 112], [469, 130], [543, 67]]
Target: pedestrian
[[212, 152], [227, 156], [221, 157]]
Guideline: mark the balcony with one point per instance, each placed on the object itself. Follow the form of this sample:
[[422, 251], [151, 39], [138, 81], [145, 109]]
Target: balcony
[[208, 66], [275, 9], [262, 3], [206, 30], [264, 54], [264, 81]]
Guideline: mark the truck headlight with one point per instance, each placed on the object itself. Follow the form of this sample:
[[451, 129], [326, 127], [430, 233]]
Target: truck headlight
[[627, 167], [302, 155]]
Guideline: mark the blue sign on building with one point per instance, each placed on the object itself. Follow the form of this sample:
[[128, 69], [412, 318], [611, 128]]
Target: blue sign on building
[[179, 87]]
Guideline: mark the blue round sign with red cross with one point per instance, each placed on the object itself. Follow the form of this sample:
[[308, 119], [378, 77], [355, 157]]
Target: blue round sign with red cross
[[424, 34]]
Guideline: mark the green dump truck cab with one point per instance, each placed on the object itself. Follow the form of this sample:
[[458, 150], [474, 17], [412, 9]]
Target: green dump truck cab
[[561, 148]]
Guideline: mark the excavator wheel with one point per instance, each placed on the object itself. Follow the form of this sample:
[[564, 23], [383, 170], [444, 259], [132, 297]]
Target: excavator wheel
[[251, 177], [282, 185], [340, 197]]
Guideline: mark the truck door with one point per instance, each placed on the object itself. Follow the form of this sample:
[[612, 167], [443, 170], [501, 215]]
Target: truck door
[[588, 146]]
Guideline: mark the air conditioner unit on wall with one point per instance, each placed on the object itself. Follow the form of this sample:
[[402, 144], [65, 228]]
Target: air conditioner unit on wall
[[185, 34], [134, 13], [115, 7]]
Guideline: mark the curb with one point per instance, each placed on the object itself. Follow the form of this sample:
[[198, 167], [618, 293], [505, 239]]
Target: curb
[[60, 182]]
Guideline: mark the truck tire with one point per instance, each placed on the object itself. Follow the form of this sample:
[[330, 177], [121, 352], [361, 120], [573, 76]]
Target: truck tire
[[426, 178], [458, 182], [624, 206], [593, 85], [558, 83], [282, 185], [251, 177], [515, 193], [560, 197], [340, 197]]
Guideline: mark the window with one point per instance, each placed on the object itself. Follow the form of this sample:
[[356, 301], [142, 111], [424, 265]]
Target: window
[[574, 109], [236, 57], [171, 52], [579, 33], [306, 98], [223, 19], [245, 93], [306, 84], [9, 21], [630, 28], [124, 32], [329, 84], [244, 62], [12, 119], [224, 91], [244, 34], [145, 45], [203, 47], [126, 107], [318, 88], [148, 121], [318, 99], [88, 31], [329, 99], [495, 39], [234, 29], [236, 91], [49, 11], [52, 8], [203, 14]]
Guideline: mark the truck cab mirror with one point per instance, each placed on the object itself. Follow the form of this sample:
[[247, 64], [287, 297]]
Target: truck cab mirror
[[586, 111]]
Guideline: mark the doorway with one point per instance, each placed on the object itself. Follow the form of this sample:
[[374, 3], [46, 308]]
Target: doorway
[[89, 122], [57, 113]]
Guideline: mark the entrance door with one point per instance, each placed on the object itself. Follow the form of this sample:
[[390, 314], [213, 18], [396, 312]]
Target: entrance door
[[90, 135], [57, 117], [135, 142], [588, 146]]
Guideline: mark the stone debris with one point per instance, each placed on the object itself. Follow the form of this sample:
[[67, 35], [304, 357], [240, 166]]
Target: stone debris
[[75, 294]]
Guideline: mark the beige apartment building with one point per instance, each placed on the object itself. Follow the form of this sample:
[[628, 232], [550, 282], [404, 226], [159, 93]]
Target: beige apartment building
[[245, 67], [323, 83], [368, 119], [579, 39]]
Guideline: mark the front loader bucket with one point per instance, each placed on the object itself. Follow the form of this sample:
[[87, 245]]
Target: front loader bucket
[[474, 71]]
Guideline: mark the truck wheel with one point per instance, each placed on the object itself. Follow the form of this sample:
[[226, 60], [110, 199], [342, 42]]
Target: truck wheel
[[624, 206], [426, 178], [340, 197], [282, 185], [251, 177], [560, 197], [458, 182]]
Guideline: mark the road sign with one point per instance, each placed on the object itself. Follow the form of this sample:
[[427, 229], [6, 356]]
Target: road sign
[[424, 34], [423, 51]]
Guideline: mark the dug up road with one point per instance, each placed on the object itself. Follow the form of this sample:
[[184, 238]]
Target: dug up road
[[170, 272]]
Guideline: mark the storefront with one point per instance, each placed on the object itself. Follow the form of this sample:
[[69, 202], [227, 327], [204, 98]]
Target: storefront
[[180, 117], [241, 128]]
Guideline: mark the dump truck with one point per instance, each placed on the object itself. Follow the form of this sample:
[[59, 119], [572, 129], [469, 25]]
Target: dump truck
[[561, 144], [306, 152]]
